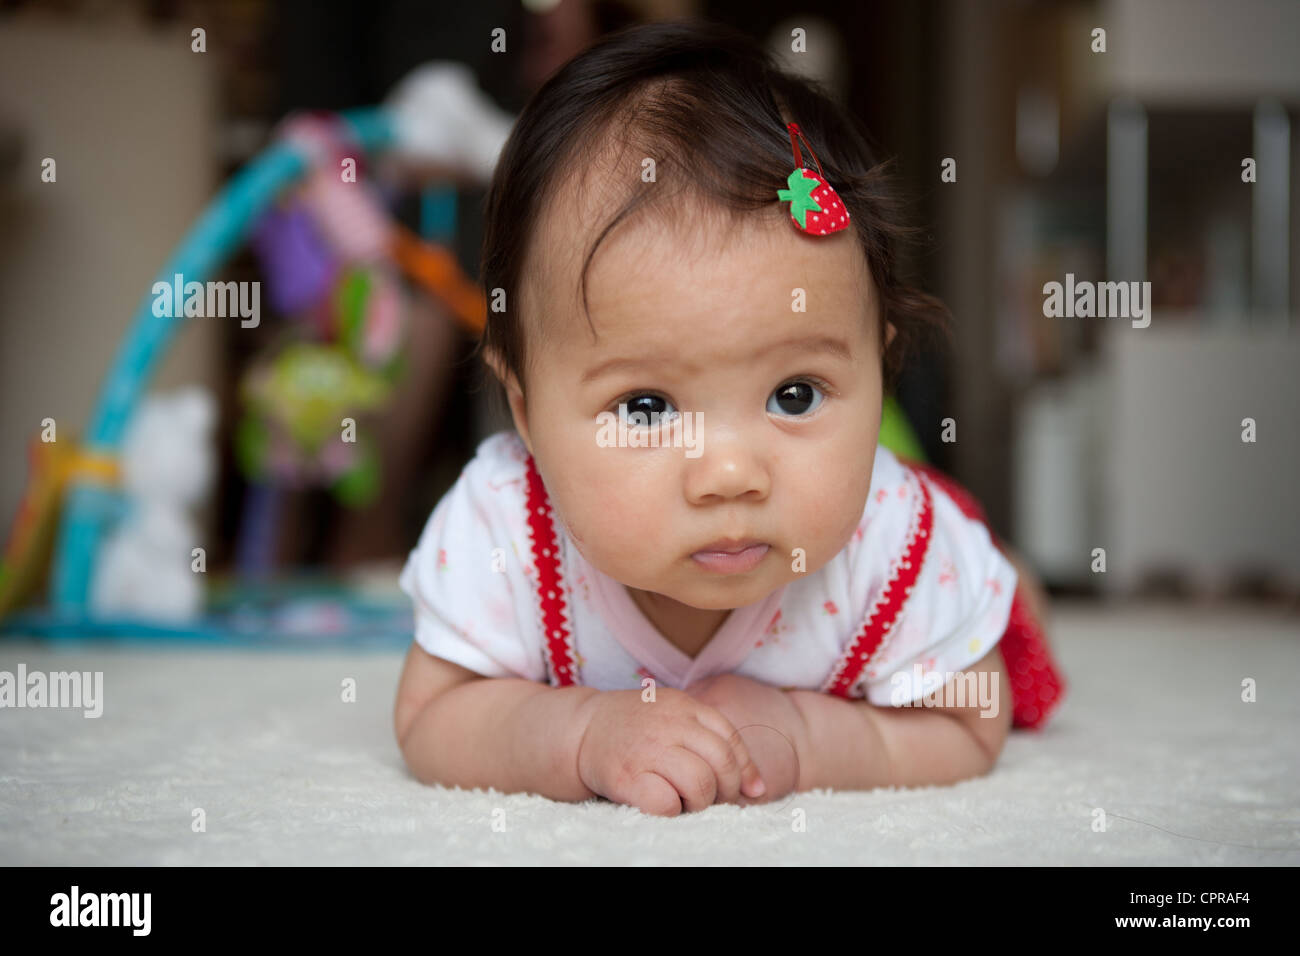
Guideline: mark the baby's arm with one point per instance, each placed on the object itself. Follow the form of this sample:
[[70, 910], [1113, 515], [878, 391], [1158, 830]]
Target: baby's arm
[[856, 745], [458, 728], [662, 755]]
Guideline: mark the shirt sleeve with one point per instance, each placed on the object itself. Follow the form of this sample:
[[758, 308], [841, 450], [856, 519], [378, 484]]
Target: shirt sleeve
[[468, 577], [957, 612]]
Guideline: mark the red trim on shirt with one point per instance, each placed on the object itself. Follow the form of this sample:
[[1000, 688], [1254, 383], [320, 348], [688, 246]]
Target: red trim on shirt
[[888, 606], [561, 659], [1037, 686]]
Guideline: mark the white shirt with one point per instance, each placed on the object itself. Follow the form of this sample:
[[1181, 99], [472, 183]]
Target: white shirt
[[474, 581]]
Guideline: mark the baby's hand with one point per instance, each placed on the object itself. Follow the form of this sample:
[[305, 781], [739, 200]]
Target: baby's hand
[[663, 755], [770, 725]]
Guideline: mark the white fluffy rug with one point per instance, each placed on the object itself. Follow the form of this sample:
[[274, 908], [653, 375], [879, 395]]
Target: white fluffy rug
[[1154, 733]]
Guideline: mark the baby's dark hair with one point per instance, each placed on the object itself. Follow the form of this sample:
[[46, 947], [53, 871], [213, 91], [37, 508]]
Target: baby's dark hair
[[711, 107]]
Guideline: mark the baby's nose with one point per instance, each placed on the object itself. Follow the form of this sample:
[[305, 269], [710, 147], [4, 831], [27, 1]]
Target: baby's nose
[[727, 468]]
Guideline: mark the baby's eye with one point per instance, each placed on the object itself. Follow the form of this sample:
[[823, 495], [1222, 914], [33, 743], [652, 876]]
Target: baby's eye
[[796, 399], [645, 410]]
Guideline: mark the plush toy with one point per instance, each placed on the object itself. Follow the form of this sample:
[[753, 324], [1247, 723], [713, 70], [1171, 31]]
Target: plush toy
[[294, 431], [443, 119], [145, 568]]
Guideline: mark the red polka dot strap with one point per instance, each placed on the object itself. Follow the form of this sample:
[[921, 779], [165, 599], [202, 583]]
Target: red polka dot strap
[[561, 658], [888, 606]]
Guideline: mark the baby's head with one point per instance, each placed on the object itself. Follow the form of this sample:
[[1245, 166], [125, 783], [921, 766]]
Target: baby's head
[[644, 261]]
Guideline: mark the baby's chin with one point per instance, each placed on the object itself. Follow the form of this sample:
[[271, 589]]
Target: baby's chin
[[687, 582], [705, 591]]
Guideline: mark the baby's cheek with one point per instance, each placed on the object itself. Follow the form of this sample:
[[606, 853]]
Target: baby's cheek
[[615, 552], [629, 526], [827, 533], [822, 524], [618, 531]]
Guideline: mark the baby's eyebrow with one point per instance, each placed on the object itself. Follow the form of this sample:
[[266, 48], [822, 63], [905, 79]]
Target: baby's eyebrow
[[610, 366], [800, 343], [818, 343]]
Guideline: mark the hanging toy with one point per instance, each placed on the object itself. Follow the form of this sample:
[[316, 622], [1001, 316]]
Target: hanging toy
[[328, 256], [367, 305], [298, 266], [815, 207], [371, 311], [348, 212], [294, 430]]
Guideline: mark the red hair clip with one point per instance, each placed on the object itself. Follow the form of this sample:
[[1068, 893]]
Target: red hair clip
[[815, 208]]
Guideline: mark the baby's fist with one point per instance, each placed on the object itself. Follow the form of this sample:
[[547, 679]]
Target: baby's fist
[[770, 725], [664, 754]]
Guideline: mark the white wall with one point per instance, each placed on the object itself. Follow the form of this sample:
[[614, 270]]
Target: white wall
[[1202, 51], [129, 120], [1181, 488]]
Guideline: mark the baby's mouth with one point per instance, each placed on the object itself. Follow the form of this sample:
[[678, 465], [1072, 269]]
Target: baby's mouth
[[731, 557]]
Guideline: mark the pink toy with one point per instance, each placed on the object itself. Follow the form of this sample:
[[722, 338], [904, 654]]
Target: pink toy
[[348, 213]]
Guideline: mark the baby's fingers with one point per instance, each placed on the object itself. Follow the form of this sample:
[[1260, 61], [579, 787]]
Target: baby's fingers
[[722, 759], [737, 774], [650, 793], [691, 775]]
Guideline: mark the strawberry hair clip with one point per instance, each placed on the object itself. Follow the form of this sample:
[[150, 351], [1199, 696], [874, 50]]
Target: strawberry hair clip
[[815, 207]]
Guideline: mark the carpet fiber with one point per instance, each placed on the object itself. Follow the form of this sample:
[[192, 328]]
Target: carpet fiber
[[1154, 733]]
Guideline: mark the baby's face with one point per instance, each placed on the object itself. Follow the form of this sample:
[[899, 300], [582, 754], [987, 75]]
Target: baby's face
[[785, 404]]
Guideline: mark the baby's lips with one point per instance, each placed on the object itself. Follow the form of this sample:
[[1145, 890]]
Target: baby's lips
[[731, 545], [732, 562]]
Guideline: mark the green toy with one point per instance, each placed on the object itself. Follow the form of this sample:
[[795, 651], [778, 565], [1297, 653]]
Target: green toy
[[896, 434], [300, 427]]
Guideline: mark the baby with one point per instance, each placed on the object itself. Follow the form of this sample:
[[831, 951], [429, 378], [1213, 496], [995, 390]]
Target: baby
[[690, 575]]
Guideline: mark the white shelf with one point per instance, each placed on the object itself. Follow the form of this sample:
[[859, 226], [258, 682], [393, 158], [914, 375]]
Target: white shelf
[[1200, 52], [1146, 458]]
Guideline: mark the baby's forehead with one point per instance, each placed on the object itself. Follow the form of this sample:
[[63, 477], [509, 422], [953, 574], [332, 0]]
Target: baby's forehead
[[698, 259], [616, 189]]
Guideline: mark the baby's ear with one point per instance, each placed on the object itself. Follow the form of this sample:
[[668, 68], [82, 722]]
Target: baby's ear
[[494, 362], [514, 394]]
